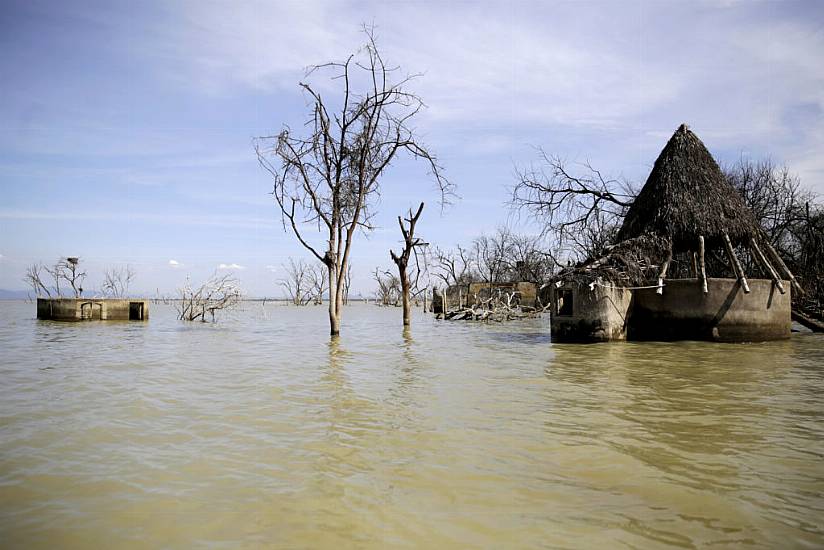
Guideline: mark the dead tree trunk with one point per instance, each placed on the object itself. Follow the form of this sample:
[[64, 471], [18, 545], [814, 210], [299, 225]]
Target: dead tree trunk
[[402, 260]]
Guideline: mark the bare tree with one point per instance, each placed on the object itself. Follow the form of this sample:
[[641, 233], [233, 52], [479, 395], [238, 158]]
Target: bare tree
[[116, 281], [67, 269], [583, 210], [297, 282], [490, 255], [347, 284], [402, 259], [319, 282], [527, 260], [330, 177], [454, 267], [218, 293], [34, 278], [389, 288]]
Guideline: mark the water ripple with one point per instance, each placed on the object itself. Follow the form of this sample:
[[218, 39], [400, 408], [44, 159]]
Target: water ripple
[[260, 432]]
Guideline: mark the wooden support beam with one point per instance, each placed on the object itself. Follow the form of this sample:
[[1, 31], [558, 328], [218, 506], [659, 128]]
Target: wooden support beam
[[766, 265], [663, 273], [695, 265], [787, 273], [736, 265], [813, 324], [702, 265]]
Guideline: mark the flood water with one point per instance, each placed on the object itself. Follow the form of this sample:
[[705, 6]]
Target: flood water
[[259, 432]]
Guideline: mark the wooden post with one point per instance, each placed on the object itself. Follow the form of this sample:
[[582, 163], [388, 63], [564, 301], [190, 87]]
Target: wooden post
[[702, 265], [777, 259], [663, 273], [694, 265], [736, 265], [766, 265]]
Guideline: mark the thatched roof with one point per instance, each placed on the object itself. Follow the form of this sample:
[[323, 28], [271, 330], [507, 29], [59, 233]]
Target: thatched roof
[[630, 262], [685, 196]]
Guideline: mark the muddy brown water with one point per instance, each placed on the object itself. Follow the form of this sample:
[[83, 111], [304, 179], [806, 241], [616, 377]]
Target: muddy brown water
[[259, 432]]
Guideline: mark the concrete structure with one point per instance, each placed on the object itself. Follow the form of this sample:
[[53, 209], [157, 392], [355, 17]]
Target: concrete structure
[[88, 309], [463, 295], [683, 311], [583, 314]]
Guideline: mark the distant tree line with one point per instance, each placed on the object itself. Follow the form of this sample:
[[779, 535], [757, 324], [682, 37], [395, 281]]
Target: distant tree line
[[305, 282], [503, 257]]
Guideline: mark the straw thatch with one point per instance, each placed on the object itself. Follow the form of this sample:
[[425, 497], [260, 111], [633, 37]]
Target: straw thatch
[[685, 196], [631, 262]]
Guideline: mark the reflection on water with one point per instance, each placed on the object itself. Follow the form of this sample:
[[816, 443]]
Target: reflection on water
[[261, 432]]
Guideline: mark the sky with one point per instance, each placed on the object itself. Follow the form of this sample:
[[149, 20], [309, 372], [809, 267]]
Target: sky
[[126, 128]]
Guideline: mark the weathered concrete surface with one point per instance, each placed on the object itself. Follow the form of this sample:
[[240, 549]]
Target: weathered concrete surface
[[88, 309], [598, 315], [724, 314]]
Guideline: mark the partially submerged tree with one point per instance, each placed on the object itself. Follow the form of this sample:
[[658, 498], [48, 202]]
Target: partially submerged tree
[[347, 283], [296, 282], [68, 269], [503, 257], [389, 288], [454, 267], [65, 269], [34, 278], [319, 283], [402, 260], [218, 293], [330, 176], [116, 281]]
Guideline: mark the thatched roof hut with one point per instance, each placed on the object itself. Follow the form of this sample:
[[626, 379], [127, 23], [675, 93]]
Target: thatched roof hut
[[686, 207], [690, 222], [687, 195]]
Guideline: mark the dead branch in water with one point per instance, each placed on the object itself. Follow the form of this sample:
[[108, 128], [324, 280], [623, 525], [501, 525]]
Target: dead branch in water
[[501, 306], [219, 292]]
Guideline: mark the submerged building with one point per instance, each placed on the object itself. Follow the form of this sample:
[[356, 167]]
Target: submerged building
[[675, 271], [91, 309], [523, 293]]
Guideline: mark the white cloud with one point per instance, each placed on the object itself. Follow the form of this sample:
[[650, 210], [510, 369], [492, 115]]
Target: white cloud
[[230, 266], [174, 264], [730, 69], [272, 268]]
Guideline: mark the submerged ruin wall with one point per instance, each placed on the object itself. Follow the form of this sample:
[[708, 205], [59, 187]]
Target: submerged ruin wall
[[458, 296], [681, 312], [581, 314], [725, 314], [91, 309]]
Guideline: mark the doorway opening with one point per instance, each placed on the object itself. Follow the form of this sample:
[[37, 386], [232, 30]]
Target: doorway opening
[[135, 311]]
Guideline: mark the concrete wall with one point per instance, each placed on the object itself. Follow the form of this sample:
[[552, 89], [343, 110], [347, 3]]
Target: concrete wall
[[598, 315], [681, 312], [725, 313], [81, 309]]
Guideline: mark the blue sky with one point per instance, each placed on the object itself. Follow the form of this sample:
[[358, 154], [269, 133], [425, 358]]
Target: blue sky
[[126, 127]]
